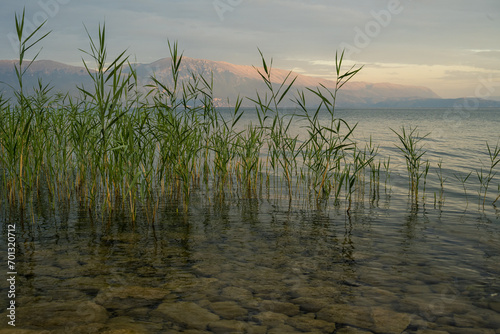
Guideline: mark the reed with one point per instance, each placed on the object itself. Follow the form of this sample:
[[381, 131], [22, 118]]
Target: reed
[[282, 149], [498, 197], [17, 127], [250, 145], [112, 145], [487, 173], [413, 152], [463, 179], [387, 164], [442, 180], [324, 151], [115, 148]]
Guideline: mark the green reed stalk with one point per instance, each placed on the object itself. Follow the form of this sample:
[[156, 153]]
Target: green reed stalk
[[425, 173], [442, 180], [413, 152], [250, 144], [224, 144], [113, 148], [386, 170], [180, 129], [325, 147], [25, 43], [498, 197], [463, 179], [368, 159], [485, 178], [109, 86], [279, 144], [16, 138]]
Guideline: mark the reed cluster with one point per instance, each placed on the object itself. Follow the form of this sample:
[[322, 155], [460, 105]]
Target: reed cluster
[[413, 152], [115, 147]]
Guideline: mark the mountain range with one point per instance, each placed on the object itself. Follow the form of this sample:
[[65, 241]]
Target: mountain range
[[231, 81]]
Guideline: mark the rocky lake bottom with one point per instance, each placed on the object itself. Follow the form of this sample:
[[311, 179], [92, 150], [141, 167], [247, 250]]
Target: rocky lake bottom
[[257, 267]]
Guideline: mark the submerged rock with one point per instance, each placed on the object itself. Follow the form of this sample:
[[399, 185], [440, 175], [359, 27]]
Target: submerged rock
[[346, 314], [288, 309], [187, 314], [228, 309], [283, 329], [495, 306], [270, 319], [308, 323], [235, 293], [86, 284], [308, 304], [431, 331], [56, 315], [465, 330], [82, 329], [315, 292], [227, 326], [23, 331], [352, 330], [123, 331], [256, 329], [388, 321], [377, 319], [129, 296], [378, 296]]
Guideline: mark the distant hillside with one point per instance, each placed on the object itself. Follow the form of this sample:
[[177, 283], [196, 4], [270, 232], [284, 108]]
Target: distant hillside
[[64, 78], [231, 81], [438, 103]]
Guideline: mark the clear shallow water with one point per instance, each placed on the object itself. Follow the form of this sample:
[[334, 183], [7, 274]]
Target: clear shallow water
[[456, 138], [262, 266]]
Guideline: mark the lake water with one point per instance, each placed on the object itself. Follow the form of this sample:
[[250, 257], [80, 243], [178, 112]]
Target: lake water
[[260, 265]]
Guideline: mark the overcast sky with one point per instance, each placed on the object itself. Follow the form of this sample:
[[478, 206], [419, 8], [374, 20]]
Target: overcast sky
[[450, 46]]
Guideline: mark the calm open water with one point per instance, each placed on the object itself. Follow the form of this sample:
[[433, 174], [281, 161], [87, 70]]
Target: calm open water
[[261, 266]]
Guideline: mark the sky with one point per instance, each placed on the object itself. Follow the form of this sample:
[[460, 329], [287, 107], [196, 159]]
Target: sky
[[449, 46]]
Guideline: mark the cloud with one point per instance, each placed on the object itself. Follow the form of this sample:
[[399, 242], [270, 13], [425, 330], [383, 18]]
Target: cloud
[[486, 53], [295, 33]]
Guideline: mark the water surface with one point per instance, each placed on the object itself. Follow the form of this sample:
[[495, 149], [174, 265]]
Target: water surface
[[262, 265]]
